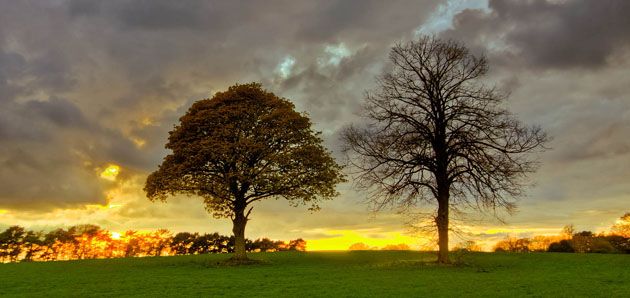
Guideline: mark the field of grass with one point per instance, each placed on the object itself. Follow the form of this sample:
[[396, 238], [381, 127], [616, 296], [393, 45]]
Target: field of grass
[[327, 274]]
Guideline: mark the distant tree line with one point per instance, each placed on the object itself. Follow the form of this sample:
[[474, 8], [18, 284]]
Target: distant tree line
[[615, 241], [92, 242], [363, 246]]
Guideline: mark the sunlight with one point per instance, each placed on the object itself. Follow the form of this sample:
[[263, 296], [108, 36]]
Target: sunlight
[[116, 235], [146, 121], [111, 172], [343, 239], [138, 142], [515, 230]]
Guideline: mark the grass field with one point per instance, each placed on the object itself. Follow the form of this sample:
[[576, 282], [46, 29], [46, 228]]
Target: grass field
[[327, 274]]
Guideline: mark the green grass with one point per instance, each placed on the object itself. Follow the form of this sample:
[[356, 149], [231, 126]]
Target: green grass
[[327, 274]]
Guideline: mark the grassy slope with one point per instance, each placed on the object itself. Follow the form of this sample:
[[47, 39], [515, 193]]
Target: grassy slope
[[328, 274]]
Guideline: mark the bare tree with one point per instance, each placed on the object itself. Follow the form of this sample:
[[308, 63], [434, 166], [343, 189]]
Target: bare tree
[[434, 133]]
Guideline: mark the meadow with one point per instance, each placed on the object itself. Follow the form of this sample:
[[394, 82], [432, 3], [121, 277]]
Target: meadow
[[327, 274]]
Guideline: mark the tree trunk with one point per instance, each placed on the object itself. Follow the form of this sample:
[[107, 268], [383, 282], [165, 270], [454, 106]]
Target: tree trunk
[[442, 226], [238, 229]]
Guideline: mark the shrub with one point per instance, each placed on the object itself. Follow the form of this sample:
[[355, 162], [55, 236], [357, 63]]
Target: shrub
[[601, 245], [562, 246]]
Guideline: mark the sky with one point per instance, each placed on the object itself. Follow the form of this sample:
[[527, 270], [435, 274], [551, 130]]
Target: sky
[[90, 89]]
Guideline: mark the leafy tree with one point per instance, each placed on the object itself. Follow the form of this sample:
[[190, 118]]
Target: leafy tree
[[241, 146], [32, 244], [601, 245], [400, 246], [54, 241], [582, 241], [359, 246], [11, 241], [622, 226], [620, 243], [263, 244], [510, 244], [82, 237], [433, 133], [541, 243], [297, 244], [182, 242], [161, 240], [209, 243]]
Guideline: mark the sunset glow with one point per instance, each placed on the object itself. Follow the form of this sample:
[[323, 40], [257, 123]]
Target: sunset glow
[[343, 239], [90, 91], [110, 173], [336, 148]]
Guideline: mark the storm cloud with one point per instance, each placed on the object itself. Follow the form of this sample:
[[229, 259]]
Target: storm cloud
[[548, 34], [87, 83], [84, 84]]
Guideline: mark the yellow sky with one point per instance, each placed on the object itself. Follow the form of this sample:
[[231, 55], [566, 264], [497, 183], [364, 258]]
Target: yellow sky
[[333, 228]]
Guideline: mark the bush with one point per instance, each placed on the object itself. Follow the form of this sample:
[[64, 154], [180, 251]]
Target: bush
[[620, 243], [562, 246], [602, 246]]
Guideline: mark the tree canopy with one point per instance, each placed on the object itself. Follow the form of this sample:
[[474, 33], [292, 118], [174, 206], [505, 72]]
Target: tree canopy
[[241, 146]]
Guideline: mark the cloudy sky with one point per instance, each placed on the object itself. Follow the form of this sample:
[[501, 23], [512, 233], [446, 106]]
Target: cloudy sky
[[90, 89]]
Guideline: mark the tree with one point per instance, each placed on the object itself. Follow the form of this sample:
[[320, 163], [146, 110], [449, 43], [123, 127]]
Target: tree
[[568, 231], [582, 241], [434, 133], [468, 245], [161, 240], [241, 146], [562, 246], [297, 245], [11, 243], [182, 242], [510, 244], [83, 236], [264, 245], [622, 226], [55, 242], [400, 246], [32, 244], [359, 246]]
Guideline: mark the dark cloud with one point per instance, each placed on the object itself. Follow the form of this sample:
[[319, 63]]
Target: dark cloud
[[546, 34], [52, 155], [87, 83], [58, 111]]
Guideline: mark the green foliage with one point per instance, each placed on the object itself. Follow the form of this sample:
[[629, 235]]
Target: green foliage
[[326, 274]]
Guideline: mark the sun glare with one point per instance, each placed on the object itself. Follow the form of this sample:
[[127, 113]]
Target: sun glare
[[343, 239], [110, 173], [115, 235]]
